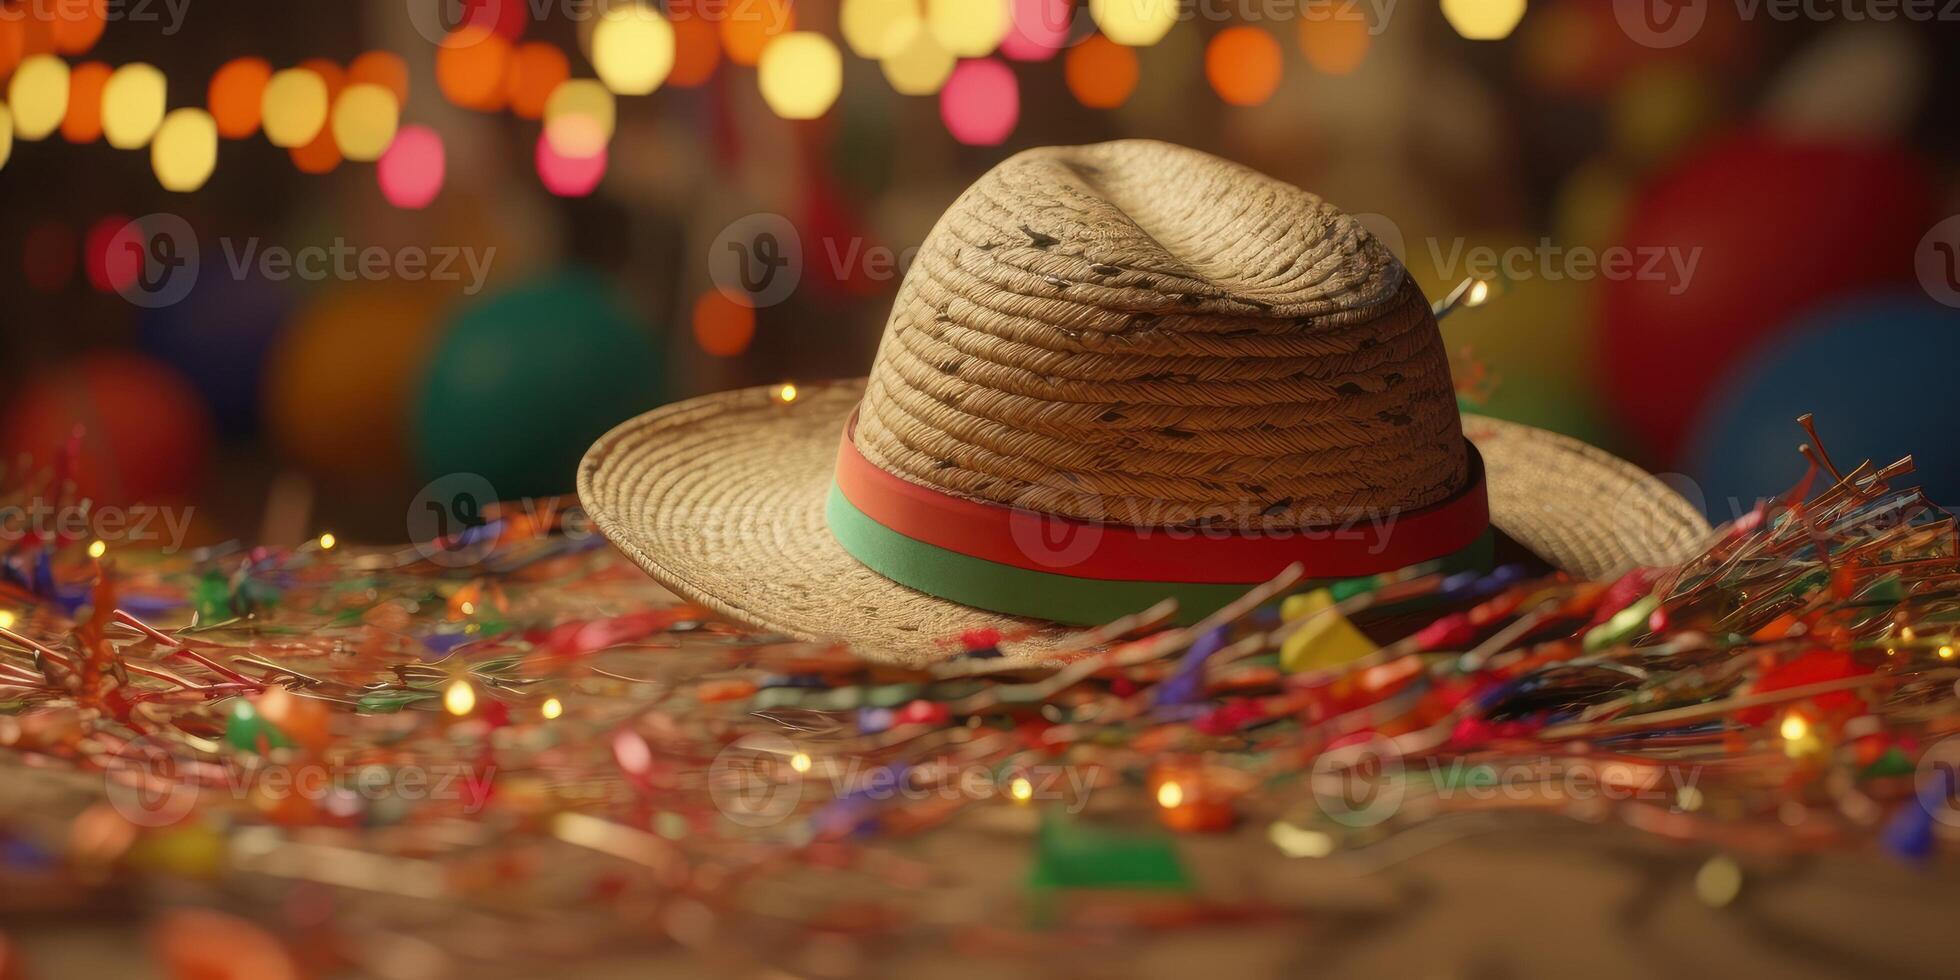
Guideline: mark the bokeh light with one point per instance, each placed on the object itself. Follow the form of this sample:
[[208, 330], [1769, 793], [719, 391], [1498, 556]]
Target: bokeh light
[[1137, 23], [470, 67], [236, 95], [748, 26], [83, 121], [801, 74], [412, 170], [981, 102], [185, 150], [38, 95], [536, 70], [1039, 28], [1335, 44], [107, 272], [383, 68], [133, 101], [364, 121], [723, 325], [918, 65], [78, 24], [579, 117], [1101, 73], [875, 28], [697, 50], [967, 28], [321, 154], [568, 176], [293, 107], [633, 49], [6, 134], [1243, 65], [1484, 20]]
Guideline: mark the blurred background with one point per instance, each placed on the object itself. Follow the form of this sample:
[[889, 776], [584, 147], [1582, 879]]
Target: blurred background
[[285, 264]]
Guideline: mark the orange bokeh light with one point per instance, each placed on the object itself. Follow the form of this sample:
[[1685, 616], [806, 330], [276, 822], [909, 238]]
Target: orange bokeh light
[[723, 325], [747, 27], [1244, 65], [237, 91], [78, 24], [83, 123], [1336, 44], [383, 68], [697, 50], [1101, 73], [471, 67], [322, 155], [536, 68]]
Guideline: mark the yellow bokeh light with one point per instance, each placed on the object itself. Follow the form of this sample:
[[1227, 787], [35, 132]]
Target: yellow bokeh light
[[1484, 20], [1794, 727], [579, 118], [969, 28], [800, 73], [1021, 789], [800, 762], [459, 698], [633, 49], [1170, 795], [552, 709], [875, 28], [6, 619], [917, 65], [133, 101], [294, 107], [364, 121], [327, 541], [6, 135], [98, 548], [785, 393], [1136, 23], [185, 150], [38, 96]]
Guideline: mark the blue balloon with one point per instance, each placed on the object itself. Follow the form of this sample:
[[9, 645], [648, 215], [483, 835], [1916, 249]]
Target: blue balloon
[[1876, 371], [218, 337]]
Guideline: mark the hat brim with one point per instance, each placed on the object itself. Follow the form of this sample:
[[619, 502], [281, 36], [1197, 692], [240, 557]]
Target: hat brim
[[721, 499]]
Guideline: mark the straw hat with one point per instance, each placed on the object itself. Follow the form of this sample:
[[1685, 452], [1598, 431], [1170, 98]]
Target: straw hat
[[1114, 373]]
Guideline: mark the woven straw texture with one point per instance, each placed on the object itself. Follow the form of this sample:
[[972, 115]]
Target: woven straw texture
[[721, 498], [1142, 333]]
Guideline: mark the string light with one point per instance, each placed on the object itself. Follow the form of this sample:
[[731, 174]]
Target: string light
[[412, 170], [38, 96], [633, 49], [98, 548], [1794, 727], [1483, 20], [917, 65], [459, 698], [1137, 23], [6, 619], [800, 762], [365, 118], [801, 75], [551, 709], [185, 150], [133, 101], [327, 541], [967, 28], [293, 107], [1946, 651], [1020, 789], [785, 393]]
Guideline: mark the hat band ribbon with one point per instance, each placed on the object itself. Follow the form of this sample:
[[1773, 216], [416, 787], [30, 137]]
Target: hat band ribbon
[[1367, 543]]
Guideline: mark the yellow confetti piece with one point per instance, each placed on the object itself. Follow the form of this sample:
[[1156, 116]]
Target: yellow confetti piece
[[1327, 640]]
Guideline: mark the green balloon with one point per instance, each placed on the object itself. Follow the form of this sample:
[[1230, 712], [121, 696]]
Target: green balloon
[[522, 382]]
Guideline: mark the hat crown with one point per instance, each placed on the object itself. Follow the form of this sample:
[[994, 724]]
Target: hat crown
[[1144, 334]]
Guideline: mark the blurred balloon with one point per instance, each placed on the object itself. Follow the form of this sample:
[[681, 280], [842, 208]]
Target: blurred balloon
[[219, 337], [1858, 80], [145, 435], [1876, 370], [522, 382], [1725, 247], [338, 383]]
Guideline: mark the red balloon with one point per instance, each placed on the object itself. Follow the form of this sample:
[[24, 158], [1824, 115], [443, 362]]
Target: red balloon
[[145, 435], [1780, 225]]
